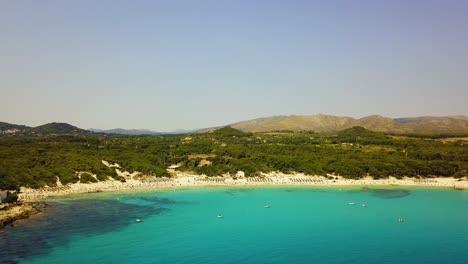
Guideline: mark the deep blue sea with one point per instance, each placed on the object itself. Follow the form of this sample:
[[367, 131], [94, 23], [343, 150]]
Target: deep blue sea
[[301, 225]]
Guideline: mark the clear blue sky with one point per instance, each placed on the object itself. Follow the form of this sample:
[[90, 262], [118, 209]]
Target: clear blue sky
[[174, 64]]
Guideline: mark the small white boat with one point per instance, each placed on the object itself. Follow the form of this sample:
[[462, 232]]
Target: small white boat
[[220, 216], [266, 206], [351, 203], [400, 219], [138, 220], [363, 205]]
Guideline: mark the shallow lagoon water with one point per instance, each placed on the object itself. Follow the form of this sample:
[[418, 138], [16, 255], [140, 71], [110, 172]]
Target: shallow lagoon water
[[302, 225]]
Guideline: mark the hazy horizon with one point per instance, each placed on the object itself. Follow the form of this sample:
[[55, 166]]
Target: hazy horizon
[[167, 65]]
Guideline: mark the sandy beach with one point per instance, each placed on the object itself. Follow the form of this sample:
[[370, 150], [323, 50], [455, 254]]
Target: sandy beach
[[180, 179]]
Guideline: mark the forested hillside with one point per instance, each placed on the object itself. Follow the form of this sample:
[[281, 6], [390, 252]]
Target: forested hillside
[[36, 161]]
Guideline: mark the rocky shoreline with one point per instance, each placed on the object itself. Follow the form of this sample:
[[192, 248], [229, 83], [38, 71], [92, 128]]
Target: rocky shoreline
[[11, 214]]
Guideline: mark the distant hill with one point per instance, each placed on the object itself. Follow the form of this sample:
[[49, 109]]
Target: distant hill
[[230, 132], [329, 123], [56, 128]]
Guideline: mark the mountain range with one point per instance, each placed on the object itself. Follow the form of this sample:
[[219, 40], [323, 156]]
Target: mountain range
[[317, 123], [134, 132], [329, 123], [121, 131], [64, 129]]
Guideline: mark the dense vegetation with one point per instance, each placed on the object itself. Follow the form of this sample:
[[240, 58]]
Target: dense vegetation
[[36, 161]]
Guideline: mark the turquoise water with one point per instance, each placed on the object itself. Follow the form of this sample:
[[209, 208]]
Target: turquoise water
[[302, 225]]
